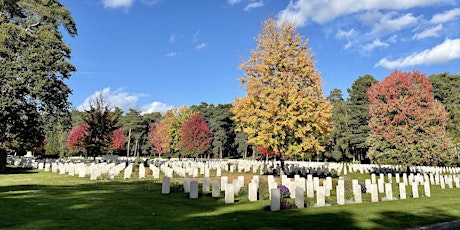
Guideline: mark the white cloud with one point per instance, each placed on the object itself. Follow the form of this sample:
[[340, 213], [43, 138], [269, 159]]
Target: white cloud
[[389, 24], [172, 38], [171, 54], [375, 44], [253, 5], [201, 46], [124, 101], [155, 107], [151, 2], [429, 32], [446, 16], [302, 11], [342, 34], [116, 98], [447, 51], [233, 2], [117, 3]]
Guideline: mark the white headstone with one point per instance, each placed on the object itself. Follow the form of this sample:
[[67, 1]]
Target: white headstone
[[193, 190], [299, 197], [275, 200], [223, 182], [427, 189], [141, 171], [320, 197], [374, 193], [388, 191], [252, 191], [402, 190], [215, 188], [165, 186], [310, 190], [415, 190], [206, 182], [229, 194], [187, 185]]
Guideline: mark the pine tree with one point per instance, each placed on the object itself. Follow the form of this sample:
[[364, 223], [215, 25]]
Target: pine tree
[[358, 105]]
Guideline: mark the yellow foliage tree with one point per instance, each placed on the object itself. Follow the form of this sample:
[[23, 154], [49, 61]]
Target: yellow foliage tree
[[284, 109]]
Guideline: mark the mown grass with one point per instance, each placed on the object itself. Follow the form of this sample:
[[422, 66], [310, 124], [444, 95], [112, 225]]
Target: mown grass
[[30, 199]]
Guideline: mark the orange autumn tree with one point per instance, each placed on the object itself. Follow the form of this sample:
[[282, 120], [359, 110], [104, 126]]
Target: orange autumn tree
[[284, 109], [407, 125]]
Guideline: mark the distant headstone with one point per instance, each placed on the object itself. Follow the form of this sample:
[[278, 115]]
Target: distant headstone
[[141, 171], [299, 197], [229, 194], [374, 193], [215, 188], [427, 189], [388, 191], [340, 194], [165, 186], [206, 182], [402, 191], [415, 190], [357, 194], [193, 190], [310, 190], [320, 197], [252, 191], [187, 185], [223, 182], [275, 200]]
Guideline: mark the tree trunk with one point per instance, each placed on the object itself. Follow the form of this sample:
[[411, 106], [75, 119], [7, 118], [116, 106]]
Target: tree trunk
[[129, 143], [2, 161], [220, 152], [136, 146]]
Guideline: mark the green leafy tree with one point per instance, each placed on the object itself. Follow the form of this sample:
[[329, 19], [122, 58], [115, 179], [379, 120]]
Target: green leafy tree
[[338, 146], [446, 89], [358, 105], [408, 125], [34, 64], [284, 109], [101, 123]]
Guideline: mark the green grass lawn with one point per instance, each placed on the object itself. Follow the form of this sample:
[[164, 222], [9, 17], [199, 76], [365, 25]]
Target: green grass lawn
[[31, 199]]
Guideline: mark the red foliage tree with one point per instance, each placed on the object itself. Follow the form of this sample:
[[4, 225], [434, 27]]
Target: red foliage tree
[[408, 125], [118, 139], [264, 151], [76, 138], [160, 138], [195, 136]]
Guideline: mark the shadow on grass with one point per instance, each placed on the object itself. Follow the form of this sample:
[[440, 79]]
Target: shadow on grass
[[17, 170], [138, 204]]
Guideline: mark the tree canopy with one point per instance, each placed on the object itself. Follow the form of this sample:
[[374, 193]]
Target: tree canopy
[[407, 124], [34, 64], [284, 109]]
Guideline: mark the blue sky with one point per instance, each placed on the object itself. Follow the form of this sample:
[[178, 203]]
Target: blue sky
[[152, 55]]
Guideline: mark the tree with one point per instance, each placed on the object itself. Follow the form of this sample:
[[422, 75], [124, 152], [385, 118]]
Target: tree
[[284, 109], [118, 140], [135, 128], [101, 125], [338, 146], [34, 64], [358, 105], [408, 125], [446, 89], [160, 138], [195, 136], [76, 138]]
